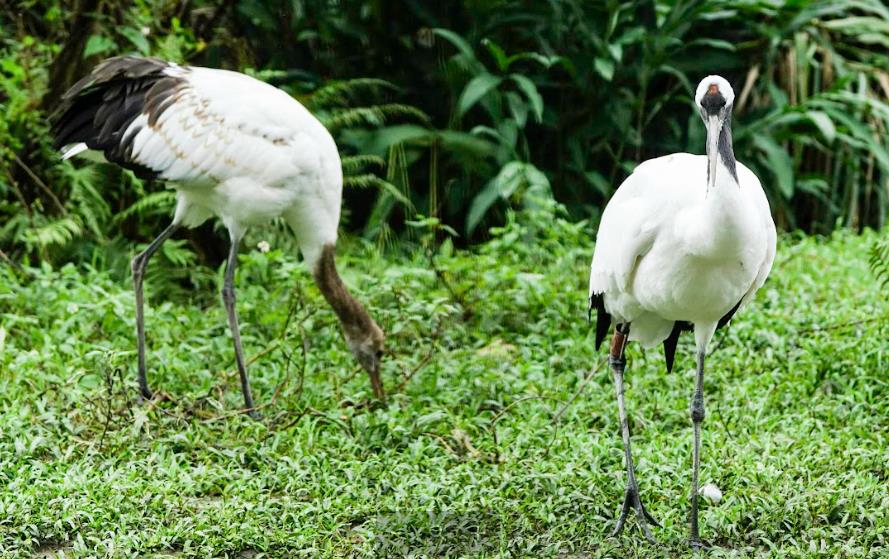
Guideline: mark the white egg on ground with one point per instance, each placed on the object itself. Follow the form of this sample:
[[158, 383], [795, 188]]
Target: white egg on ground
[[711, 493]]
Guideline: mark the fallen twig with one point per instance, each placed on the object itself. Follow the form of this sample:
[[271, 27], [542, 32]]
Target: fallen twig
[[407, 376], [566, 405], [40, 183]]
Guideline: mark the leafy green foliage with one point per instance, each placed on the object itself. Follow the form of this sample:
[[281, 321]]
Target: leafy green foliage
[[500, 436], [450, 96]]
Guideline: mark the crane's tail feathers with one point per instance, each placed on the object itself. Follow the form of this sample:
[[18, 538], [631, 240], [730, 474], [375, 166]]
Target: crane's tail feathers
[[681, 326], [671, 341]]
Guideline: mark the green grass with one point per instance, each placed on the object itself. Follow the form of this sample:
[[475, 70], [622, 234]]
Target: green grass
[[469, 457]]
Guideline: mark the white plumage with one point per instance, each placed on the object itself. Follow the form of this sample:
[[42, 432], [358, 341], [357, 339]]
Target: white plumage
[[243, 150], [684, 243], [232, 147], [668, 250]]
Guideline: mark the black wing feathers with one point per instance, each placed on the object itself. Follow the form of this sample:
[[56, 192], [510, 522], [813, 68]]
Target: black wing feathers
[[603, 319], [99, 108]]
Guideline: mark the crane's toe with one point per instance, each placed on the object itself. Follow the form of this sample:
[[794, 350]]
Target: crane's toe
[[632, 500], [146, 394], [699, 545]]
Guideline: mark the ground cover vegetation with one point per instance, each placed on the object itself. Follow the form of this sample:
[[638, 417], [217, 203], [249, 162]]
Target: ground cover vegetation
[[499, 438]]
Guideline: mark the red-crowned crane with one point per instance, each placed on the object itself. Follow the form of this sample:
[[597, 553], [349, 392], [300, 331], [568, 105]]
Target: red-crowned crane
[[684, 242], [232, 147]]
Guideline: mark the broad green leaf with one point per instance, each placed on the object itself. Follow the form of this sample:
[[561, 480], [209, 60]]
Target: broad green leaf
[[779, 163], [480, 205], [466, 143], [379, 140], [531, 93], [498, 54], [712, 43], [137, 39], [455, 40], [598, 182], [545, 61], [825, 125], [98, 44], [477, 88], [512, 177], [517, 107], [536, 180], [604, 68]]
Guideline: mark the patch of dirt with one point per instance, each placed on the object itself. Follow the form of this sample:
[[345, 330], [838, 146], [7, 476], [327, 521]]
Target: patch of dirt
[[53, 550]]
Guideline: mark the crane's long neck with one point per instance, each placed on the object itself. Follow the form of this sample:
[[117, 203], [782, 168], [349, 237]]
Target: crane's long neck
[[355, 320], [721, 149], [714, 224]]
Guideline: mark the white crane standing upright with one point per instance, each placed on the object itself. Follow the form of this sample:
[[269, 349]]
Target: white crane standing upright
[[233, 147], [685, 241]]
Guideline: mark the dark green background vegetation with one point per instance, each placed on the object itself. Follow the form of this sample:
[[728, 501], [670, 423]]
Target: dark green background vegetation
[[455, 110]]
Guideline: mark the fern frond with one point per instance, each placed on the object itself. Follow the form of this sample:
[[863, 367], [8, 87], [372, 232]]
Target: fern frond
[[153, 203], [55, 233], [374, 116], [369, 180], [354, 163], [87, 202], [179, 253], [879, 260], [340, 93]]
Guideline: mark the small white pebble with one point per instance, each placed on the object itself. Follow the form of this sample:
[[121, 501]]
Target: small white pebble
[[263, 246], [146, 31], [711, 493], [73, 308]]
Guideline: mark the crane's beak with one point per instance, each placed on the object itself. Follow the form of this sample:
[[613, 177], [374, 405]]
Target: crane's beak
[[714, 127], [376, 382]]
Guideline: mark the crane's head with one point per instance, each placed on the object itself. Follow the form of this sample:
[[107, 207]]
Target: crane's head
[[366, 342], [364, 337], [714, 98]]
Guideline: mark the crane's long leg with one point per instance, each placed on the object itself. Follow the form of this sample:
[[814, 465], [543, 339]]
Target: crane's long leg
[[631, 497], [697, 417], [138, 265], [228, 298]]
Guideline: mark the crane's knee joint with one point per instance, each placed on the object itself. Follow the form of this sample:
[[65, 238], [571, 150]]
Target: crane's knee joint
[[228, 294], [618, 363], [697, 411], [137, 264]]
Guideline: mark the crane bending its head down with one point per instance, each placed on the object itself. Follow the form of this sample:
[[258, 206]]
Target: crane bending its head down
[[685, 242], [233, 147]]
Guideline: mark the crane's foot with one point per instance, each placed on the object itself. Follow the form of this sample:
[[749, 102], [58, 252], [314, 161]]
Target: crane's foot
[[254, 414], [144, 391], [633, 501], [697, 544]]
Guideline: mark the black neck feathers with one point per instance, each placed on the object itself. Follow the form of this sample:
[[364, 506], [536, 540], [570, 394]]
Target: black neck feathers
[[725, 150]]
